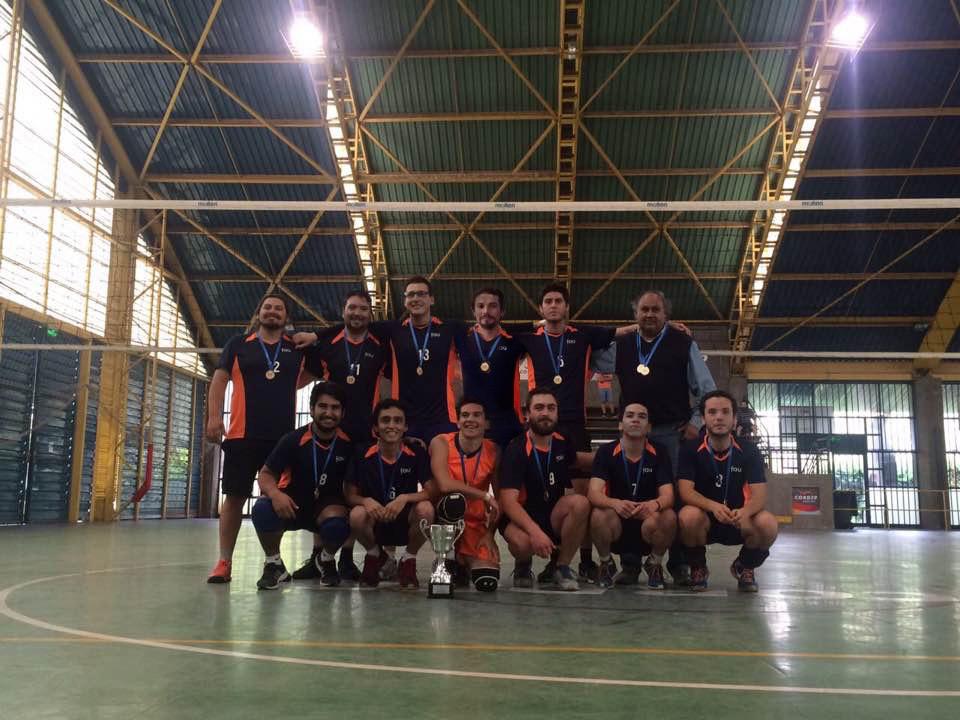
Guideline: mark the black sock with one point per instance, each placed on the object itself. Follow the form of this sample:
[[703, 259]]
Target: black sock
[[586, 555], [752, 558], [697, 556]]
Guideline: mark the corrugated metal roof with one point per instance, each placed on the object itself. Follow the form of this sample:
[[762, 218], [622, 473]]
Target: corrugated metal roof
[[827, 339], [917, 78], [688, 302], [888, 297]]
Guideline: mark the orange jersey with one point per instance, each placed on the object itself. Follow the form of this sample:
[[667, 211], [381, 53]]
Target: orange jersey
[[479, 474]]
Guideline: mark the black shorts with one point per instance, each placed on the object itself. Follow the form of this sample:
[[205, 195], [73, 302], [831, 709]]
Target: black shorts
[[542, 519], [576, 433], [631, 540], [395, 532], [723, 534], [242, 460]]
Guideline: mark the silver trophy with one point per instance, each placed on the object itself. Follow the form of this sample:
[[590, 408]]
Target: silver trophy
[[442, 539]]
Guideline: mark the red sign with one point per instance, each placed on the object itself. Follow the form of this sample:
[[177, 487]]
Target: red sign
[[806, 500]]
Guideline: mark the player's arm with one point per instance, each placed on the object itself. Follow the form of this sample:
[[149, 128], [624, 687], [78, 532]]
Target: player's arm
[[439, 457], [351, 493], [757, 480], [305, 339], [510, 503], [215, 396], [268, 477], [584, 461], [700, 381], [306, 377], [690, 496], [599, 499]]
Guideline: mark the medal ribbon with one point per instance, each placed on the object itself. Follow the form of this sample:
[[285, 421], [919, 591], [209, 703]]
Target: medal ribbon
[[350, 362], [543, 473], [463, 464], [326, 460], [488, 355], [393, 470], [645, 359], [271, 362], [556, 359], [416, 341], [722, 477], [639, 473]]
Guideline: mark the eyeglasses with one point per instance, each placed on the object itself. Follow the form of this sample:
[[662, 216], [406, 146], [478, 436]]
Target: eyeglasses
[[416, 294]]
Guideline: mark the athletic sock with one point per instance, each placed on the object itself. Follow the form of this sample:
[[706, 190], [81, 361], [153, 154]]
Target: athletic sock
[[406, 555], [326, 557], [655, 559], [274, 559], [586, 555]]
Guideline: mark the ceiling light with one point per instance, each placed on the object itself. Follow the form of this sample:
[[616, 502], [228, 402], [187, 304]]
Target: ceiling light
[[851, 31], [306, 40]]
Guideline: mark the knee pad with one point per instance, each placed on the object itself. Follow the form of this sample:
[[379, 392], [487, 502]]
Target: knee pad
[[334, 531], [753, 557], [264, 517], [451, 508], [485, 579]]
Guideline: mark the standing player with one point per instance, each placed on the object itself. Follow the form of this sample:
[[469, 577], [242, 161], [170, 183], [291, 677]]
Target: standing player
[[265, 369], [559, 359], [388, 496], [354, 359], [490, 362], [302, 481], [542, 514], [723, 487], [632, 496], [463, 462]]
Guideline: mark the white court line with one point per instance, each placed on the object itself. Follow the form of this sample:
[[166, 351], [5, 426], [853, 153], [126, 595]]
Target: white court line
[[6, 610]]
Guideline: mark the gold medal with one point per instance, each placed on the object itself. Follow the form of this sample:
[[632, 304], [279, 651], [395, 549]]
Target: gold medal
[[351, 379], [270, 374], [485, 366], [557, 379], [419, 371], [643, 369]]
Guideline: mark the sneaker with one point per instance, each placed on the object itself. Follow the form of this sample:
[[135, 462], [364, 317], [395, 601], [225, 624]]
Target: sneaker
[[588, 571], [388, 567], [628, 575], [523, 576], [564, 578], [221, 572], [698, 578], [407, 575], [654, 575], [310, 570], [681, 575], [746, 577], [370, 577], [606, 573], [347, 567], [273, 575], [328, 573], [546, 575]]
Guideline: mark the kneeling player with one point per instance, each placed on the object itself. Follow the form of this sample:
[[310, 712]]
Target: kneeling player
[[302, 483], [632, 496], [723, 487], [463, 462], [388, 498], [541, 512]]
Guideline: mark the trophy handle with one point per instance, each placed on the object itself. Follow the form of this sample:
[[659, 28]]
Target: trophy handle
[[425, 528], [461, 526]]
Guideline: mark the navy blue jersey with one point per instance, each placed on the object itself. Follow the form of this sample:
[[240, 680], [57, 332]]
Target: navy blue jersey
[[721, 477], [337, 358], [541, 477], [428, 395], [499, 385], [566, 355], [261, 407], [627, 479], [308, 468], [383, 481]]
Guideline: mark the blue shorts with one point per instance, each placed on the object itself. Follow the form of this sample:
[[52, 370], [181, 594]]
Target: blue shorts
[[606, 396]]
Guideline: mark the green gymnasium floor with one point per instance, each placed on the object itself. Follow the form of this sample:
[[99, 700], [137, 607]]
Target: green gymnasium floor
[[116, 622]]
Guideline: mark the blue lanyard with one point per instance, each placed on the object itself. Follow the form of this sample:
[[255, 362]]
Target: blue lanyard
[[645, 359], [271, 362], [387, 489], [556, 359], [421, 350], [626, 471], [722, 479], [463, 465], [486, 357], [322, 480], [544, 474], [350, 362]]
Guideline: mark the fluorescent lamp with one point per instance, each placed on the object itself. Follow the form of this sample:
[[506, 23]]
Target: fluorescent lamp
[[306, 40]]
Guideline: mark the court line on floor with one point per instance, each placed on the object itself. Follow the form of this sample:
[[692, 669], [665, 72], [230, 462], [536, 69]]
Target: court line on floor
[[6, 610], [492, 647]]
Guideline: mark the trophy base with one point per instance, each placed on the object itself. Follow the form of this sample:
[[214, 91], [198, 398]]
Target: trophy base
[[440, 590]]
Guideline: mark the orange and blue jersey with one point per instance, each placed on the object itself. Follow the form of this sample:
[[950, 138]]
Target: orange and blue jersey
[[723, 477], [261, 409], [309, 467], [384, 480], [476, 470], [638, 480], [498, 386]]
